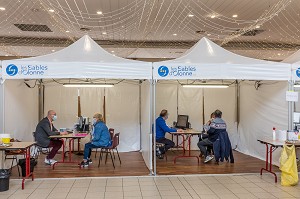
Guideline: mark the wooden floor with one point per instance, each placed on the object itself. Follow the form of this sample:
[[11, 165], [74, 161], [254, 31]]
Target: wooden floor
[[133, 165], [243, 164]]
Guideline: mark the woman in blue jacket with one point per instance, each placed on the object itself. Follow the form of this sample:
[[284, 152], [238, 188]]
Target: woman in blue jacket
[[100, 138]]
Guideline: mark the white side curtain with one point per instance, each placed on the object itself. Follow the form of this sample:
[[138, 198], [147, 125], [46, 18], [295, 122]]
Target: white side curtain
[[122, 109], [260, 111], [146, 135], [20, 110], [1, 108]]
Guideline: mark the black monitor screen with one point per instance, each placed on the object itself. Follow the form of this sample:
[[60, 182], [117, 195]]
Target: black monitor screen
[[182, 121]]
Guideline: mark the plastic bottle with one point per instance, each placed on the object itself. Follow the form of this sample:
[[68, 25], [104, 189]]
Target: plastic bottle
[[274, 133]]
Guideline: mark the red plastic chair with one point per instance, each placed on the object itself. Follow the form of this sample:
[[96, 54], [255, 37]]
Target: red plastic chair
[[110, 149]]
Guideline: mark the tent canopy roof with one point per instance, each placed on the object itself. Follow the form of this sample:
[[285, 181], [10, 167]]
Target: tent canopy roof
[[211, 61], [82, 59]]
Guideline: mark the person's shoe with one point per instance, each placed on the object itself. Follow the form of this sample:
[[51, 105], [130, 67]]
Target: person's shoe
[[161, 156], [158, 152], [49, 161], [208, 158], [90, 161], [84, 164]]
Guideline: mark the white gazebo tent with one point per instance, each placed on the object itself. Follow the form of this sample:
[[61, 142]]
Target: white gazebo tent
[[208, 61], [84, 59]]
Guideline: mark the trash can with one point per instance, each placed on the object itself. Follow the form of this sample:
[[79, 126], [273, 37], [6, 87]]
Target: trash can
[[22, 164], [4, 179]]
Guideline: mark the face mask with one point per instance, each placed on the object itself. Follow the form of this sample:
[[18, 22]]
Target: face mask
[[94, 121], [167, 116], [54, 117]]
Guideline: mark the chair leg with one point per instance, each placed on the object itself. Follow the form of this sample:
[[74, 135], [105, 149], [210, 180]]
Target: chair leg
[[96, 152], [118, 155], [112, 160], [100, 156], [106, 156], [18, 166]]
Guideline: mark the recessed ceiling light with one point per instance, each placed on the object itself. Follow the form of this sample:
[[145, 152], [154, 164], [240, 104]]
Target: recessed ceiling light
[[208, 34], [104, 33], [278, 54], [2, 8], [213, 16], [6, 55], [52, 50], [99, 12], [190, 15], [174, 34], [258, 26], [67, 31], [112, 51], [51, 10], [234, 16]]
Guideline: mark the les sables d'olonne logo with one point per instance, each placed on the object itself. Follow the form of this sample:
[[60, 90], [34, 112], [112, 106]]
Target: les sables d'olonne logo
[[163, 71], [12, 70]]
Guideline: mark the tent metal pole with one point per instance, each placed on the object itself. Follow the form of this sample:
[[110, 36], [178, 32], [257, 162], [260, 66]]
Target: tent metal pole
[[140, 110], [41, 88], [290, 107], [153, 146]]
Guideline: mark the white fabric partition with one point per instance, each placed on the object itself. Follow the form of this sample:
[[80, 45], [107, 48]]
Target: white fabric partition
[[1, 107], [261, 110], [122, 110], [122, 114], [20, 110], [146, 134]]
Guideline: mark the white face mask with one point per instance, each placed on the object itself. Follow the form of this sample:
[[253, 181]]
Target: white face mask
[[54, 117], [94, 121]]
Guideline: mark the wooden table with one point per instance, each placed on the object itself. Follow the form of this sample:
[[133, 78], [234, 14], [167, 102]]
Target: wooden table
[[271, 146], [71, 138], [186, 136], [20, 146]]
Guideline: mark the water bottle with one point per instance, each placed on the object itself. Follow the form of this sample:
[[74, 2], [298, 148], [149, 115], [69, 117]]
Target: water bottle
[[274, 133]]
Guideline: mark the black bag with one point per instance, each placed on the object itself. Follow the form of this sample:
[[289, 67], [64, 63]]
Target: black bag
[[22, 164]]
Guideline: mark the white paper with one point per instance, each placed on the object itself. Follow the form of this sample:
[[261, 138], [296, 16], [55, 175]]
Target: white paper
[[291, 96]]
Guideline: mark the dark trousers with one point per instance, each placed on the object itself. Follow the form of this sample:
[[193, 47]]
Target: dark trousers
[[168, 144], [56, 145], [203, 144], [88, 150]]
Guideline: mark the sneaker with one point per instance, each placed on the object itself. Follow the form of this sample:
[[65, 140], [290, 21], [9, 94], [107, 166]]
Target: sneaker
[[90, 161], [84, 164], [49, 161], [208, 158], [158, 152]]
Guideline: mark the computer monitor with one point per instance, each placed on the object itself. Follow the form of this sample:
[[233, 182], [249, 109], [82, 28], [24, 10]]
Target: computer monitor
[[296, 117], [182, 121]]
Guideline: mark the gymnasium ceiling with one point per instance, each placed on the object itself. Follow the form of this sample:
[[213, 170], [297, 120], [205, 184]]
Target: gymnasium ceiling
[[151, 29]]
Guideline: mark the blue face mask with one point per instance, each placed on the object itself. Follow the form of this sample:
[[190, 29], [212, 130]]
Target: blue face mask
[[94, 121], [54, 117]]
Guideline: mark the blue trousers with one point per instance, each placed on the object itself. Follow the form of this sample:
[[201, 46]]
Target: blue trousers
[[88, 150]]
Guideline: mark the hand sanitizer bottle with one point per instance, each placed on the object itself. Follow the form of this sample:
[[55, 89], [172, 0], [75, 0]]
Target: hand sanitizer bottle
[[274, 133]]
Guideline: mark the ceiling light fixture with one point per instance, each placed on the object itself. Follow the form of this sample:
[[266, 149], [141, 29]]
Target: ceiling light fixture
[[87, 85], [258, 26], [205, 86], [234, 16], [104, 33], [99, 13], [278, 54], [67, 31], [213, 16], [51, 10], [174, 34], [53, 50], [112, 51], [190, 15], [2, 8]]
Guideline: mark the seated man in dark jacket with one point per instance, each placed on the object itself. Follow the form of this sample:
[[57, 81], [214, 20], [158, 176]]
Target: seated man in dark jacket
[[161, 130], [216, 126], [45, 129]]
